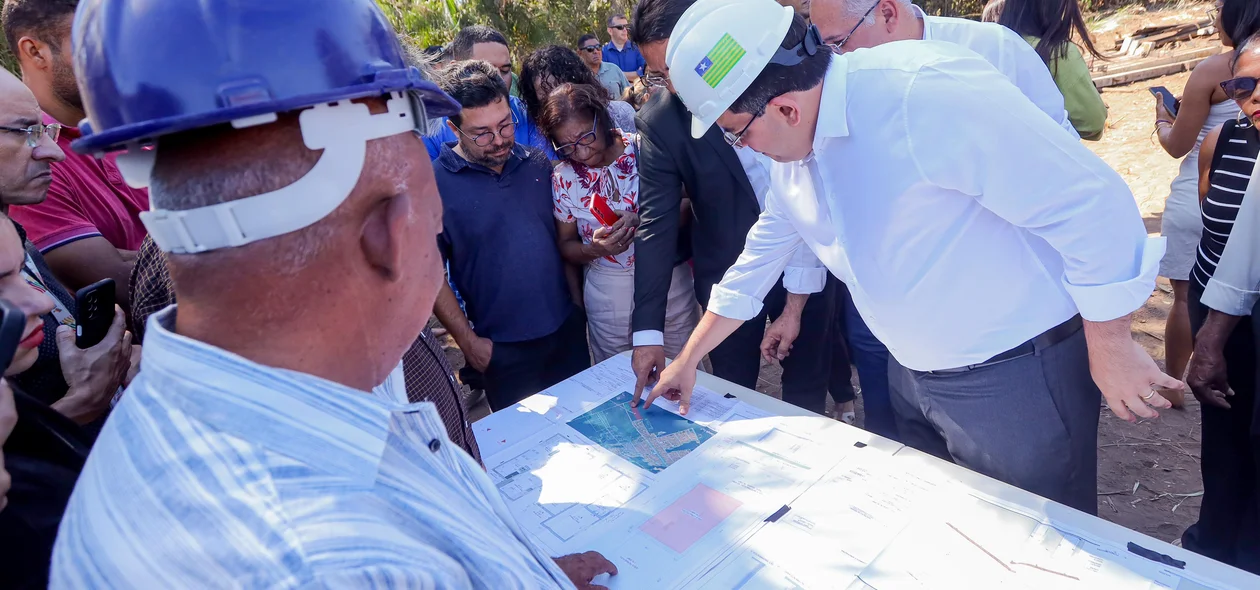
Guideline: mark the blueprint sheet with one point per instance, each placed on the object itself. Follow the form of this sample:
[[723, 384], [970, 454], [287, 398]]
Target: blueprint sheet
[[731, 497], [872, 525], [661, 495]]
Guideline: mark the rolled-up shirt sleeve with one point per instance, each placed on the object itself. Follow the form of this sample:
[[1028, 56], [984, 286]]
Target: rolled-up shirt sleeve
[[771, 245], [1235, 286], [1038, 178], [805, 273]]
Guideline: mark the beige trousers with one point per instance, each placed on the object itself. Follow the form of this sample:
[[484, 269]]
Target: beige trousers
[[609, 300]]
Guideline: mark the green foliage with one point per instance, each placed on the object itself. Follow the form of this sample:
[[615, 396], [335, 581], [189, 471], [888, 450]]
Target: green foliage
[[528, 24], [8, 60]]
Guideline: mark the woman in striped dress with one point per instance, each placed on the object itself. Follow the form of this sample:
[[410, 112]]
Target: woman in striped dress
[[1228, 529]]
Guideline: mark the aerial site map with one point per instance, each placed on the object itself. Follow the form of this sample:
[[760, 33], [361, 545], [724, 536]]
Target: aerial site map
[[652, 438]]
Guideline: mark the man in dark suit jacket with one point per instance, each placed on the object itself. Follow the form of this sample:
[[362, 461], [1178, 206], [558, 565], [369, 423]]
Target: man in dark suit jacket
[[725, 205]]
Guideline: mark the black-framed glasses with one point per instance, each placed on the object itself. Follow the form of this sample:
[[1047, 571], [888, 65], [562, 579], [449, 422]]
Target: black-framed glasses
[[36, 132], [1240, 88], [655, 80], [588, 138], [836, 47], [736, 140], [589, 48], [620, 27], [486, 138]]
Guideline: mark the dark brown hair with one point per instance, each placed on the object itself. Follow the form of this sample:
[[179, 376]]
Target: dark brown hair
[[568, 101], [1052, 21]]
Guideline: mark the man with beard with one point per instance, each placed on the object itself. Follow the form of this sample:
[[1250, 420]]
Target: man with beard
[[89, 226], [522, 329]]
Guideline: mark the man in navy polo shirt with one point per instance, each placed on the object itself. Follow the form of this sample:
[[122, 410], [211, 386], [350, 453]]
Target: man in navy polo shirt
[[522, 329], [621, 51]]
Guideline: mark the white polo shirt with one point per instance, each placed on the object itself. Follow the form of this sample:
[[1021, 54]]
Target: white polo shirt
[[962, 220]]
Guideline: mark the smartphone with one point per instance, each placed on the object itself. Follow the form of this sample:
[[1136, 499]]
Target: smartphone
[[12, 326], [1170, 102], [95, 312], [605, 214]]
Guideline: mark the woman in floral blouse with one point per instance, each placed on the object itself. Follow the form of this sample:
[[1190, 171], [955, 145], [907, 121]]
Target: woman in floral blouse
[[598, 172]]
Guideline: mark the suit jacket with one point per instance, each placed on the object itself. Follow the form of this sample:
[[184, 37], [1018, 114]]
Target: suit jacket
[[722, 200]]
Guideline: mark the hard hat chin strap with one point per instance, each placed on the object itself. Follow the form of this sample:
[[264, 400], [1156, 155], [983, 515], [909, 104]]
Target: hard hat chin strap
[[342, 130]]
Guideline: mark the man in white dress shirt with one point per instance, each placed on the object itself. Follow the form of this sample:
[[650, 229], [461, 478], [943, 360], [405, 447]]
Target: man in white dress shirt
[[849, 25], [997, 258]]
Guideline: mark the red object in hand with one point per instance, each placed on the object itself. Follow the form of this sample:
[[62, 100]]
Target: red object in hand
[[604, 213]]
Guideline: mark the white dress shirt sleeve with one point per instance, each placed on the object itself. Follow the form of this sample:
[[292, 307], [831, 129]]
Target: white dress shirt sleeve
[[1020, 166], [771, 245], [648, 338], [1033, 78], [805, 273], [1235, 286]]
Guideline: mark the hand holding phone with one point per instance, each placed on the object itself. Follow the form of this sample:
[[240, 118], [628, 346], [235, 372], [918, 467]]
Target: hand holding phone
[[602, 211], [95, 312], [1171, 103]]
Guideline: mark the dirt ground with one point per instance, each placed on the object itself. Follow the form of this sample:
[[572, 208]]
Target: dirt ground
[[1148, 476]]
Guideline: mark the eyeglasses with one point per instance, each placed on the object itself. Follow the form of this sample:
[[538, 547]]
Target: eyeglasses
[[836, 47], [486, 138], [590, 48], [737, 139], [588, 138], [35, 133], [620, 27], [1240, 88], [655, 80]]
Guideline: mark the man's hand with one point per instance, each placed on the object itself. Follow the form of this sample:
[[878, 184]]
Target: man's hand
[[675, 384], [777, 343], [8, 419], [1207, 379], [679, 377], [647, 362], [1206, 374], [478, 352], [583, 567], [1124, 372], [93, 374]]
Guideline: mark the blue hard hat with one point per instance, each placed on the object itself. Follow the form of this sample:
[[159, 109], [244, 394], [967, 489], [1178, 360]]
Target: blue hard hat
[[148, 68]]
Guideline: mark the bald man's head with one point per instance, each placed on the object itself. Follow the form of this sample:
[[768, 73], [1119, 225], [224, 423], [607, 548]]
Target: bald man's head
[[25, 156]]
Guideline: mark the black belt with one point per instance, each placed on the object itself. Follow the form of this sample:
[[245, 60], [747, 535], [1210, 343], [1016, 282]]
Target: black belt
[[1042, 341]]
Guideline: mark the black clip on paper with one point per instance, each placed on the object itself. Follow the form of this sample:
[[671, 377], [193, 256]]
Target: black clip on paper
[[778, 514], [729, 396], [1156, 556]]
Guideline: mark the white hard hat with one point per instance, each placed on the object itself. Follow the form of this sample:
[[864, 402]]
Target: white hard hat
[[716, 51]]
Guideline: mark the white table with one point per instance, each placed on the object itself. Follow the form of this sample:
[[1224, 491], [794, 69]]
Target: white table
[[802, 547]]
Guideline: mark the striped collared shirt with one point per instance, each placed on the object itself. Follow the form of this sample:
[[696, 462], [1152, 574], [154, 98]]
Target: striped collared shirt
[[217, 472]]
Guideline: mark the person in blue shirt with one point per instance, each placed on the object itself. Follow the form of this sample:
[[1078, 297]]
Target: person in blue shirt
[[488, 45], [499, 233], [621, 51]]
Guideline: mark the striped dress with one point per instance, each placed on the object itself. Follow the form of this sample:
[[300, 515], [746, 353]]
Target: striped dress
[[1230, 171]]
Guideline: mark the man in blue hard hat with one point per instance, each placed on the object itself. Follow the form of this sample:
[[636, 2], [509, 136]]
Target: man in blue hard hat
[[291, 194]]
